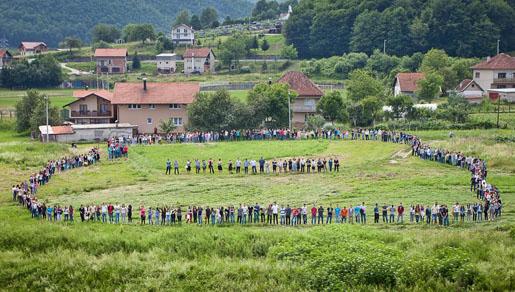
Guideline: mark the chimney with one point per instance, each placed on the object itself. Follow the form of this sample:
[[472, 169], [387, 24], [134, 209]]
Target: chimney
[[145, 84], [488, 59]]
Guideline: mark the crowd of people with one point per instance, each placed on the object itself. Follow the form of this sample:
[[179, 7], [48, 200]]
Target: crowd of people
[[488, 208]]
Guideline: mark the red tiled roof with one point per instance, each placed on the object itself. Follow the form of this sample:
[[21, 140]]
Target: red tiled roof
[[110, 52], [465, 84], [31, 45], [198, 53], [59, 130], [408, 81], [156, 93], [102, 93], [301, 84], [500, 62], [3, 53]]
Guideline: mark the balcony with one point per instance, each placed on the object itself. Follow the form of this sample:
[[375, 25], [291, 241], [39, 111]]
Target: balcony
[[504, 80], [89, 114]]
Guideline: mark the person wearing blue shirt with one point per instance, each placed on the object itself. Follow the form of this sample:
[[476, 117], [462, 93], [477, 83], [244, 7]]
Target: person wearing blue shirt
[[337, 213]]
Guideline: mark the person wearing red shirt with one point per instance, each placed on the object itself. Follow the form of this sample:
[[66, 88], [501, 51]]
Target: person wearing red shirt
[[110, 209], [314, 215], [400, 213]]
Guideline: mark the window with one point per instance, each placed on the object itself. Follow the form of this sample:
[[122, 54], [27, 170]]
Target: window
[[174, 106], [177, 121], [134, 106], [152, 106], [149, 121], [309, 102], [83, 108], [501, 75], [104, 108], [478, 74]]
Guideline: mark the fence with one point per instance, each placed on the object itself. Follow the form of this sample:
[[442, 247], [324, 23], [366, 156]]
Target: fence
[[7, 114]]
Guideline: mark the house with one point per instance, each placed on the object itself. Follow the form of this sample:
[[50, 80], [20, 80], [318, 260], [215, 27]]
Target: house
[[111, 61], [308, 95], [166, 63], [76, 133], [472, 91], [91, 107], [199, 60], [147, 104], [5, 59], [495, 72], [406, 83], [32, 48], [183, 34]]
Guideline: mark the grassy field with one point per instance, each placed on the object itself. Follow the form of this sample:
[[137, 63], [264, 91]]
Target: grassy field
[[58, 97], [506, 120], [39, 255]]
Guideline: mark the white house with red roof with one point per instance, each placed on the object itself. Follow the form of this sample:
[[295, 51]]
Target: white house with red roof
[[111, 61], [308, 96], [495, 72], [183, 34], [91, 107], [407, 83], [5, 59], [199, 61], [32, 48]]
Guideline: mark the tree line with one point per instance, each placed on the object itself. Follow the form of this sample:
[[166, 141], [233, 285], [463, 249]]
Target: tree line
[[42, 72], [462, 28]]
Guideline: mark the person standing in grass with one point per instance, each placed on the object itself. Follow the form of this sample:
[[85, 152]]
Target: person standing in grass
[[344, 214], [376, 214], [321, 215], [411, 214], [385, 213], [337, 215], [238, 166], [104, 212], [329, 219], [168, 167], [110, 212], [261, 165], [211, 167], [363, 213], [179, 214], [157, 213], [357, 213], [142, 214], [117, 213], [283, 216], [392, 214], [175, 167], [275, 212], [434, 213], [351, 214], [220, 166], [204, 166], [129, 213], [445, 215], [400, 213], [150, 218], [123, 212], [428, 214], [304, 213]]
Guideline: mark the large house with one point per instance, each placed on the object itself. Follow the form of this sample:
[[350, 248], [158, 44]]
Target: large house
[[32, 48], [199, 60], [183, 34], [166, 63], [147, 104], [5, 59], [91, 107], [111, 61], [407, 83], [308, 95], [472, 91]]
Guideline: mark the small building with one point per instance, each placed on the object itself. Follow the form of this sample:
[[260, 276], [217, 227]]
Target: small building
[[166, 63], [308, 96], [147, 104], [32, 48], [91, 107], [111, 61], [77, 133], [5, 59], [199, 61], [407, 83], [495, 72], [470, 90], [183, 34], [505, 94]]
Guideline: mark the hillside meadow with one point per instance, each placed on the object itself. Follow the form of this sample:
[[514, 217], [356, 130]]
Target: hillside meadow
[[41, 255]]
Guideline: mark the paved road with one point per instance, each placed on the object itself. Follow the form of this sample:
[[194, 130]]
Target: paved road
[[74, 71]]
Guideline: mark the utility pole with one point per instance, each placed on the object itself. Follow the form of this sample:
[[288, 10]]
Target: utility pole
[[384, 46], [46, 104], [289, 111], [498, 109], [498, 45]]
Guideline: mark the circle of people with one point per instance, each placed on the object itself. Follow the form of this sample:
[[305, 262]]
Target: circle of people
[[489, 209]]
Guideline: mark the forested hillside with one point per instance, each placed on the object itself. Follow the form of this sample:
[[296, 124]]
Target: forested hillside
[[322, 28], [51, 21]]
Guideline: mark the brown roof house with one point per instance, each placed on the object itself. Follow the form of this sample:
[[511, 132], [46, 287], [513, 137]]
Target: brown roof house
[[406, 83], [5, 59], [308, 95], [495, 72], [199, 60], [111, 61], [147, 104], [472, 91], [32, 48], [91, 107]]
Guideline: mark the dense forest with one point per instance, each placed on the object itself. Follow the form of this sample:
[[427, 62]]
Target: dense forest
[[469, 28], [52, 21]]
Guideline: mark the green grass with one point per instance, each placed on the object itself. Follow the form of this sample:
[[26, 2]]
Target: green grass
[[58, 97], [506, 120], [276, 43], [82, 66], [349, 257]]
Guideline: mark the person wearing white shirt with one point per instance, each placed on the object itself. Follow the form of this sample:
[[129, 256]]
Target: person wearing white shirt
[[275, 211]]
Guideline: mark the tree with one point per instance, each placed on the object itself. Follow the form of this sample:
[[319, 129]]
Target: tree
[[167, 126], [435, 60], [265, 46], [43, 71], [456, 109], [372, 108], [269, 104], [71, 43], [430, 86], [266, 10], [315, 122], [233, 49], [163, 43], [208, 16], [213, 112], [332, 107], [31, 112], [195, 22], [105, 32], [289, 52], [362, 84], [400, 104], [255, 43], [182, 18], [136, 64], [138, 32]]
